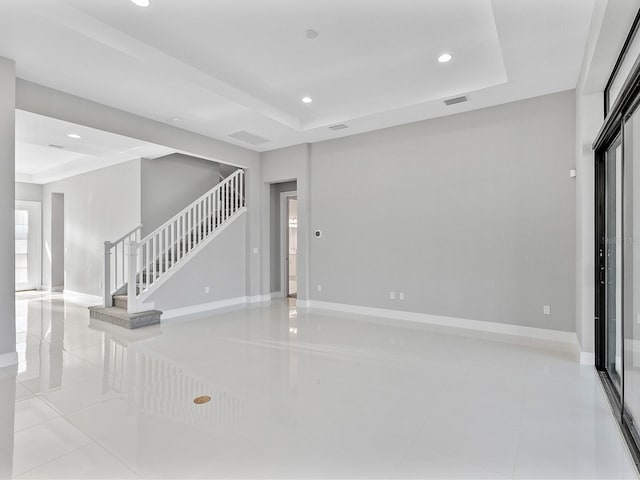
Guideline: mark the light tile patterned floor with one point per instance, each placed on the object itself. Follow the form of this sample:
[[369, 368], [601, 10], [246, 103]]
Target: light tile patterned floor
[[296, 394]]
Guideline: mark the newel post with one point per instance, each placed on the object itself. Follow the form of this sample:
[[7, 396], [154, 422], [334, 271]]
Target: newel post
[[132, 283], [108, 300]]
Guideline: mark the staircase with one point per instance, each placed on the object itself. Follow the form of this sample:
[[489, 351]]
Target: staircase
[[135, 267]]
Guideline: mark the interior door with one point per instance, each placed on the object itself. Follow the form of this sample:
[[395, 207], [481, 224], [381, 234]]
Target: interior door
[[28, 242]]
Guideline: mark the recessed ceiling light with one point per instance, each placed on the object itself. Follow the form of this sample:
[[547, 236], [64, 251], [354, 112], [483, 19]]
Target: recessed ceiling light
[[444, 58], [311, 34], [74, 135], [307, 100], [142, 3]]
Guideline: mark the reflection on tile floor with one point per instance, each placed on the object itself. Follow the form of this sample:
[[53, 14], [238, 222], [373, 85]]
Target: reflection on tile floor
[[296, 394]]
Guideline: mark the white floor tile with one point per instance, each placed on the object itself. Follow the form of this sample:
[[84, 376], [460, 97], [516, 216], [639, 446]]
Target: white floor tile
[[32, 411], [42, 443], [79, 395], [90, 462], [300, 394]]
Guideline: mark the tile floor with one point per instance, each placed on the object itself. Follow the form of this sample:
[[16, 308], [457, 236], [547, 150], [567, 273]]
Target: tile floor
[[295, 394]]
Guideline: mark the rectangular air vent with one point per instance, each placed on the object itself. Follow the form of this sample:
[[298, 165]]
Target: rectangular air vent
[[453, 101], [59, 147], [341, 126], [248, 138]]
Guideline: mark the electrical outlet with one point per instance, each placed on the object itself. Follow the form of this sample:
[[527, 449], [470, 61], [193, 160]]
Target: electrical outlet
[[319, 288], [546, 310], [392, 295], [206, 289], [401, 295], [255, 250]]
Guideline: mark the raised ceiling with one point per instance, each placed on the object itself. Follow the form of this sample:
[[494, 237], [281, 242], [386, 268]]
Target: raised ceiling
[[230, 66], [45, 152]]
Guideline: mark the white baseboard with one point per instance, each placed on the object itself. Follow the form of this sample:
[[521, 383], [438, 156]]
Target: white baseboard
[[49, 288], [587, 358], [202, 307], [276, 295], [259, 298], [82, 298], [8, 359], [568, 340]]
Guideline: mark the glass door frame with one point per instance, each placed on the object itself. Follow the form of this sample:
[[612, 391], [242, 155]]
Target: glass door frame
[[612, 131]]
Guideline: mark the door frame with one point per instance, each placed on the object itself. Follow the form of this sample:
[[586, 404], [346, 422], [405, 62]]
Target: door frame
[[34, 242], [284, 240]]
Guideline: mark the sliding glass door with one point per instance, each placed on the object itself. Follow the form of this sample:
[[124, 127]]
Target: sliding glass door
[[631, 268], [618, 268], [612, 262]]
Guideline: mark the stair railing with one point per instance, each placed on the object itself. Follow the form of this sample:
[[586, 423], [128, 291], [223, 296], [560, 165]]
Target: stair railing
[[116, 268], [152, 257]]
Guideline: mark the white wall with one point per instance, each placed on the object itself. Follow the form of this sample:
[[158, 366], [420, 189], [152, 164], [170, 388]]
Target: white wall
[[471, 216], [28, 192], [98, 206]]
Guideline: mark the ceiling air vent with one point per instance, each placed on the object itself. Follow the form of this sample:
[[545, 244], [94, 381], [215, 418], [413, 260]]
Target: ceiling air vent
[[59, 147], [340, 126], [248, 138], [453, 101]]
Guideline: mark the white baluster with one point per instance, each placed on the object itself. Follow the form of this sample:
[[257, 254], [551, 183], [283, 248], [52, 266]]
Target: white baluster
[[154, 257], [108, 301], [166, 249], [132, 306]]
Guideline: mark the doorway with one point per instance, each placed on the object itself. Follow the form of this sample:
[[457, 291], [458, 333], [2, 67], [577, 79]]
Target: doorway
[[28, 238], [289, 243]]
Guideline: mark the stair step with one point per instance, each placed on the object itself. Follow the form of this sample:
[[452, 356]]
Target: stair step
[[120, 317], [120, 301]]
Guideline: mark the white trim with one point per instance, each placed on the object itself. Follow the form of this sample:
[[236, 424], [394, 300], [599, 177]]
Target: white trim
[[259, 298], [48, 288], [568, 339], [284, 240], [80, 298], [587, 358], [202, 307], [8, 359], [187, 258]]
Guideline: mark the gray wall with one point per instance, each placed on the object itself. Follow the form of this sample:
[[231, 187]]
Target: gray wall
[[471, 216], [219, 266], [277, 166], [57, 241], [7, 211], [274, 232], [98, 206], [171, 183], [28, 192]]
